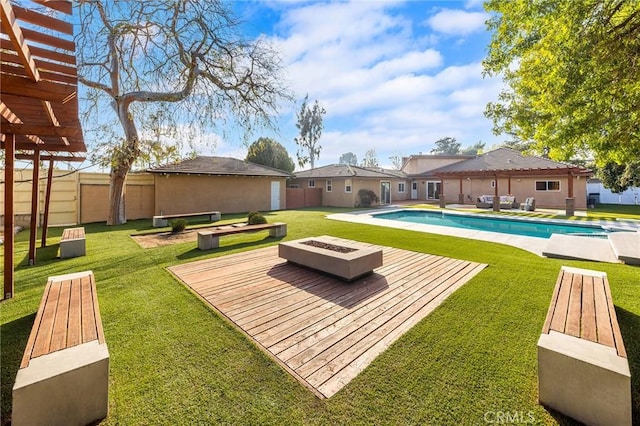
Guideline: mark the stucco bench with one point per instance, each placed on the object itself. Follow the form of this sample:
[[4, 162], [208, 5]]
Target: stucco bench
[[64, 375], [583, 370], [73, 243], [163, 220], [210, 239]]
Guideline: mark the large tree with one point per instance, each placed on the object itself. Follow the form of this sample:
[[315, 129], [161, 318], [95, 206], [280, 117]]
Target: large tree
[[184, 57], [270, 153], [309, 123], [397, 161], [348, 158], [474, 149], [446, 146], [370, 158], [571, 69]]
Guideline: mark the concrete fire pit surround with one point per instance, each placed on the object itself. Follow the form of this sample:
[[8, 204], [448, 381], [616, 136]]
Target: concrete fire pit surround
[[347, 266]]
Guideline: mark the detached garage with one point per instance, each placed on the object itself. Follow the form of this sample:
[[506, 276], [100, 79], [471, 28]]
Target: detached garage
[[220, 184]]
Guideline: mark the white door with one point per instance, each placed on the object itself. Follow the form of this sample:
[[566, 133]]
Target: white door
[[385, 192], [433, 190], [414, 190], [275, 195]]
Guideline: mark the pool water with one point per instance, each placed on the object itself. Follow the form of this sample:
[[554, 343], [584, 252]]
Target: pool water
[[529, 228]]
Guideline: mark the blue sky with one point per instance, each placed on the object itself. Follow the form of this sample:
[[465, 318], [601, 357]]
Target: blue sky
[[393, 76]]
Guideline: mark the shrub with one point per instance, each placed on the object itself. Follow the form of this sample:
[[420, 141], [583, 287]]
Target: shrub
[[178, 225], [251, 214], [366, 197], [256, 218]]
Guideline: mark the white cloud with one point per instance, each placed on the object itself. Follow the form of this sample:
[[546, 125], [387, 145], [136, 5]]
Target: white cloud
[[457, 22], [382, 81]]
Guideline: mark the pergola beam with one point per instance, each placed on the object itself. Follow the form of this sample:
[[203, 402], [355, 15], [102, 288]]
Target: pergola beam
[[43, 90], [31, 129], [8, 115], [11, 27], [29, 157]]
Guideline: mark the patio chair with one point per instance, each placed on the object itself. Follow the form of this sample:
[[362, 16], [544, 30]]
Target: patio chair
[[529, 204]]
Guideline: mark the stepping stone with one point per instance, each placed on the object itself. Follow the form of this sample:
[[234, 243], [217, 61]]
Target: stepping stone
[[563, 246]]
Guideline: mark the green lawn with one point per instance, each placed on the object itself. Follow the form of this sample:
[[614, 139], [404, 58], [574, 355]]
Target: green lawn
[[175, 361]]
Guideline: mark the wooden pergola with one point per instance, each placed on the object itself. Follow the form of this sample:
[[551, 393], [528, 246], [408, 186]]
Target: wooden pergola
[[38, 105], [569, 172]]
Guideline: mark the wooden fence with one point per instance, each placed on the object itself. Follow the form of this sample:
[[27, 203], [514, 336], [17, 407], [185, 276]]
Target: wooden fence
[[78, 197]]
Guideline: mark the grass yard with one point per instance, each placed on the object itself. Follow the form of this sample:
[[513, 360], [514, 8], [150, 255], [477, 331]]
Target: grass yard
[[175, 361]]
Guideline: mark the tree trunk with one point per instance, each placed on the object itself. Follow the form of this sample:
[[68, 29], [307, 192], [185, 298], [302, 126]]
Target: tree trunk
[[117, 215], [123, 160]]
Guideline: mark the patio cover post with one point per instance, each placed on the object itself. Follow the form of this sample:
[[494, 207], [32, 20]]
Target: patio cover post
[[496, 197], [570, 202], [35, 192], [443, 202], [9, 153], [460, 194], [47, 201]]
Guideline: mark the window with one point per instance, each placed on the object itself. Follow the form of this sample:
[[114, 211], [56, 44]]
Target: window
[[347, 185], [294, 185], [401, 187], [329, 185], [311, 184], [547, 185]]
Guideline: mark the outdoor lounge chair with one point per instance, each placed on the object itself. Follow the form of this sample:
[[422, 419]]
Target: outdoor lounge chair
[[484, 202], [529, 204], [506, 202]]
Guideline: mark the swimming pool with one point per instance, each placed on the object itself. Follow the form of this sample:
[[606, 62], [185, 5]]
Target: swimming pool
[[505, 225]]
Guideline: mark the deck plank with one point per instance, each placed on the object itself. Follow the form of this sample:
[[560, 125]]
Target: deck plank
[[43, 339], [559, 320], [575, 307], [588, 315], [317, 326], [59, 335]]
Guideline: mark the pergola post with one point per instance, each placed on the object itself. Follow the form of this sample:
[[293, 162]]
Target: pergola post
[[443, 202], [9, 153], [47, 201], [460, 194], [496, 197], [570, 202], [35, 192]]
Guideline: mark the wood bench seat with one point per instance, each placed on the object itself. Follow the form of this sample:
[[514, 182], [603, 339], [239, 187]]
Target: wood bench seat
[[583, 370], [210, 239], [64, 373], [163, 220], [73, 243]]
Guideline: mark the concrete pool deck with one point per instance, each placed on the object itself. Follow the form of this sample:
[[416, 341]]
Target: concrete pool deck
[[575, 247]]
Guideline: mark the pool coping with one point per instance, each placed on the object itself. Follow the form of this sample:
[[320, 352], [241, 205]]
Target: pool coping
[[534, 245]]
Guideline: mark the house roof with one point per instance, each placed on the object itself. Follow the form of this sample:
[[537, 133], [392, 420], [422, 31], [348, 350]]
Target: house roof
[[349, 171], [507, 160], [219, 166]]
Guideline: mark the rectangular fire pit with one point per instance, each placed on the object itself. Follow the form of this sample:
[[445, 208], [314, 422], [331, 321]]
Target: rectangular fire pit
[[342, 258]]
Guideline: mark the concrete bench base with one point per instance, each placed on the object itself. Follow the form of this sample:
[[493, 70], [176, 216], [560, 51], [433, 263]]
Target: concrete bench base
[[208, 240], [73, 248], [73, 243], [66, 387], [584, 380]]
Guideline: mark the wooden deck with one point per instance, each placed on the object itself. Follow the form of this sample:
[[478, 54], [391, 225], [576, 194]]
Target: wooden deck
[[322, 330]]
